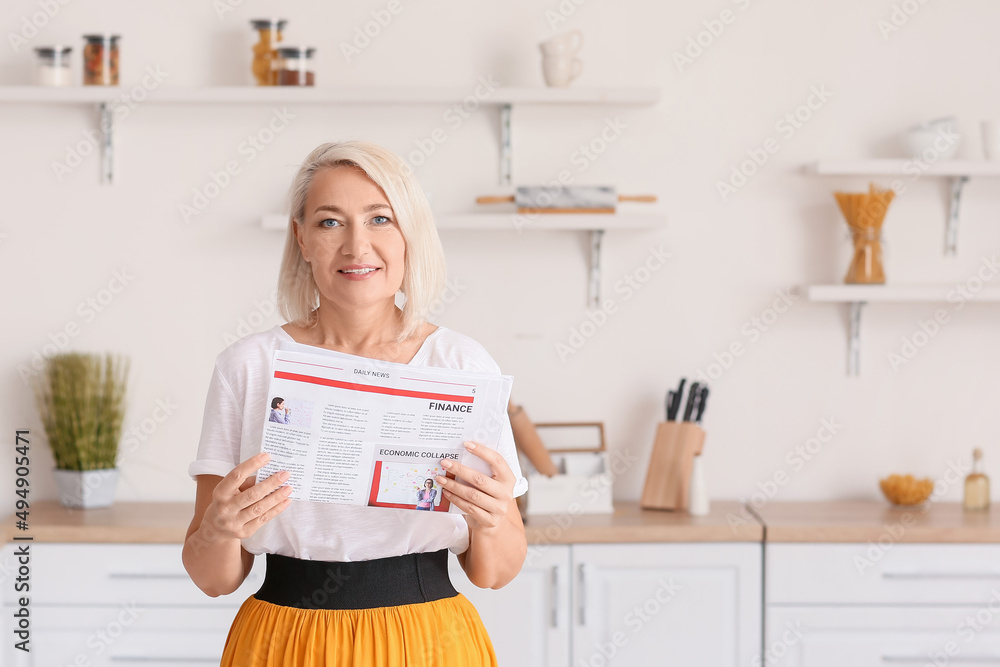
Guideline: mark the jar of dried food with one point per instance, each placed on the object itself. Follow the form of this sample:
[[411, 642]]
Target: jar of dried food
[[100, 60], [52, 67], [977, 485], [295, 66], [268, 36]]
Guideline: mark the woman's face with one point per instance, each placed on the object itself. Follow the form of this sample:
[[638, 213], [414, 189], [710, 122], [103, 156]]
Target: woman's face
[[281, 406], [350, 237], [428, 484]]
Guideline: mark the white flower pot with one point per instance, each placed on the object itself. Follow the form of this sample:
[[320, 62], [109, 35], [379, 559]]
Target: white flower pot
[[86, 488]]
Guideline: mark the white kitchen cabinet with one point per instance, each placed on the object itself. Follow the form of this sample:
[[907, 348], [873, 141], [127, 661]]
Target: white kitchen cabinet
[[627, 604], [656, 604], [528, 619], [583, 604], [862, 573], [116, 604], [876, 636], [861, 604]]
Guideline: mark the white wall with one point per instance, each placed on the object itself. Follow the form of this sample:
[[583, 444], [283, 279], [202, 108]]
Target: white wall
[[195, 283]]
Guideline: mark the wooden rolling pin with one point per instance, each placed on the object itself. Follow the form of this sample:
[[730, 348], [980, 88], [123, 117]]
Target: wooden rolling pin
[[570, 199]]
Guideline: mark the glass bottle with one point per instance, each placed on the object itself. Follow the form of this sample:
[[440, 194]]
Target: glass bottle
[[52, 67], [866, 264], [295, 66], [264, 51], [100, 60], [977, 485]]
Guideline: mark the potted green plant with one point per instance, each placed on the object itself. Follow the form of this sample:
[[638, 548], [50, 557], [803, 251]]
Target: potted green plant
[[81, 400]]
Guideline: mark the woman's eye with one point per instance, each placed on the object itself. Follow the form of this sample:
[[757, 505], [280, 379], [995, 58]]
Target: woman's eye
[[330, 220], [384, 219]]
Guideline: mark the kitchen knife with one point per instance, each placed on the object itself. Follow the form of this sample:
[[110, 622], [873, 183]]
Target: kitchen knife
[[676, 406], [701, 405], [692, 401]]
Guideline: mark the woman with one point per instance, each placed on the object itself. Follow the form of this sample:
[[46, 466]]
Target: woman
[[426, 496], [348, 584], [279, 413]]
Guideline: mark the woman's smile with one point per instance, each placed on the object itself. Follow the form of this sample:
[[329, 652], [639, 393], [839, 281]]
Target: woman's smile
[[358, 271]]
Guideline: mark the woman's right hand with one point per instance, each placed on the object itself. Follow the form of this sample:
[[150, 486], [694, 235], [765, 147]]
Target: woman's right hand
[[240, 506]]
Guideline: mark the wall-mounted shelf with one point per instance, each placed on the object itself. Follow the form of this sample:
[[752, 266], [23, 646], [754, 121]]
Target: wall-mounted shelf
[[856, 296], [505, 98], [957, 171], [595, 224], [334, 94]]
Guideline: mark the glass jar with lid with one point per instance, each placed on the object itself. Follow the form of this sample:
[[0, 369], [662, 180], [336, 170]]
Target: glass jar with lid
[[268, 36], [52, 66], [100, 60], [295, 66]]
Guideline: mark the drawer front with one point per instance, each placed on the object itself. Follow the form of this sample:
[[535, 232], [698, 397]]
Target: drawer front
[[881, 636], [114, 574], [128, 634], [882, 574], [136, 649]]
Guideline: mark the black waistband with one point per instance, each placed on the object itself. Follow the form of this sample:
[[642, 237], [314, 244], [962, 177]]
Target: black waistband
[[383, 582]]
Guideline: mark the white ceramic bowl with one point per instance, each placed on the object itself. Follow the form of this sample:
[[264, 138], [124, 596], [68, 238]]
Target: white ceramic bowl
[[934, 137]]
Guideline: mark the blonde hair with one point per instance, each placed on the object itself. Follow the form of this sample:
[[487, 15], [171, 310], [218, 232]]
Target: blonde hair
[[424, 270]]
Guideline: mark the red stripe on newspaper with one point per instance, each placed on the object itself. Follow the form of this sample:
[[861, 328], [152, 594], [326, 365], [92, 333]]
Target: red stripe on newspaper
[[353, 386]]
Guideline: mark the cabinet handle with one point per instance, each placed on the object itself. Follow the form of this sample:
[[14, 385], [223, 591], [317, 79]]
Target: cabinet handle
[[555, 596], [922, 659], [583, 594], [941, 575]]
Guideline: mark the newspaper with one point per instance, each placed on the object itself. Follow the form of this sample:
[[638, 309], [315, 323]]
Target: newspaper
[[361, 431]]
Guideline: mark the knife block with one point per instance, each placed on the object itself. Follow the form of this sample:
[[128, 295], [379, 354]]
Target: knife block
[[668, 478]]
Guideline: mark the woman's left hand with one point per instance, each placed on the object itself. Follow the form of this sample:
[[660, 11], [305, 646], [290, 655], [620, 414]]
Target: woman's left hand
[[486, 500]]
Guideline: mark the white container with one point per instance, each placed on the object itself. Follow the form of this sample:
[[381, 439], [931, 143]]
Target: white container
[[559, 64], [560, 71], [698, 500], [583, 485], [52, 66], [86, 488], [934, 140], [571, 493]]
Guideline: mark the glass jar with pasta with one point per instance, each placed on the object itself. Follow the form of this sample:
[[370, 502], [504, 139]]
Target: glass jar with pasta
[[100, 60]]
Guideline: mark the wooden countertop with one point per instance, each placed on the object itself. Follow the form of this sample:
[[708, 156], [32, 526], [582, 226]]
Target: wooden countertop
[[869, 520], [835, 521], [631, 523], [49, 521]]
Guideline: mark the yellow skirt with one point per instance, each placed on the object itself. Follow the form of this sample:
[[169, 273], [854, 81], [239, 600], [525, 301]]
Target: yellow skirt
[[446, 632]]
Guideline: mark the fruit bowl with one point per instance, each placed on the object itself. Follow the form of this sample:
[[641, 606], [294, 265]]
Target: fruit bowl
[[906, 490]]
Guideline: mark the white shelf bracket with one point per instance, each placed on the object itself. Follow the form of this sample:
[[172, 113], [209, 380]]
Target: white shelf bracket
[[506, 154], [854, 340], [107, 121], [594, 293], [951, 231]]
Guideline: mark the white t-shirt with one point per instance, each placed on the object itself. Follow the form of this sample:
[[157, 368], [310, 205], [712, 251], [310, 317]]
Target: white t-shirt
[[231, 432]]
